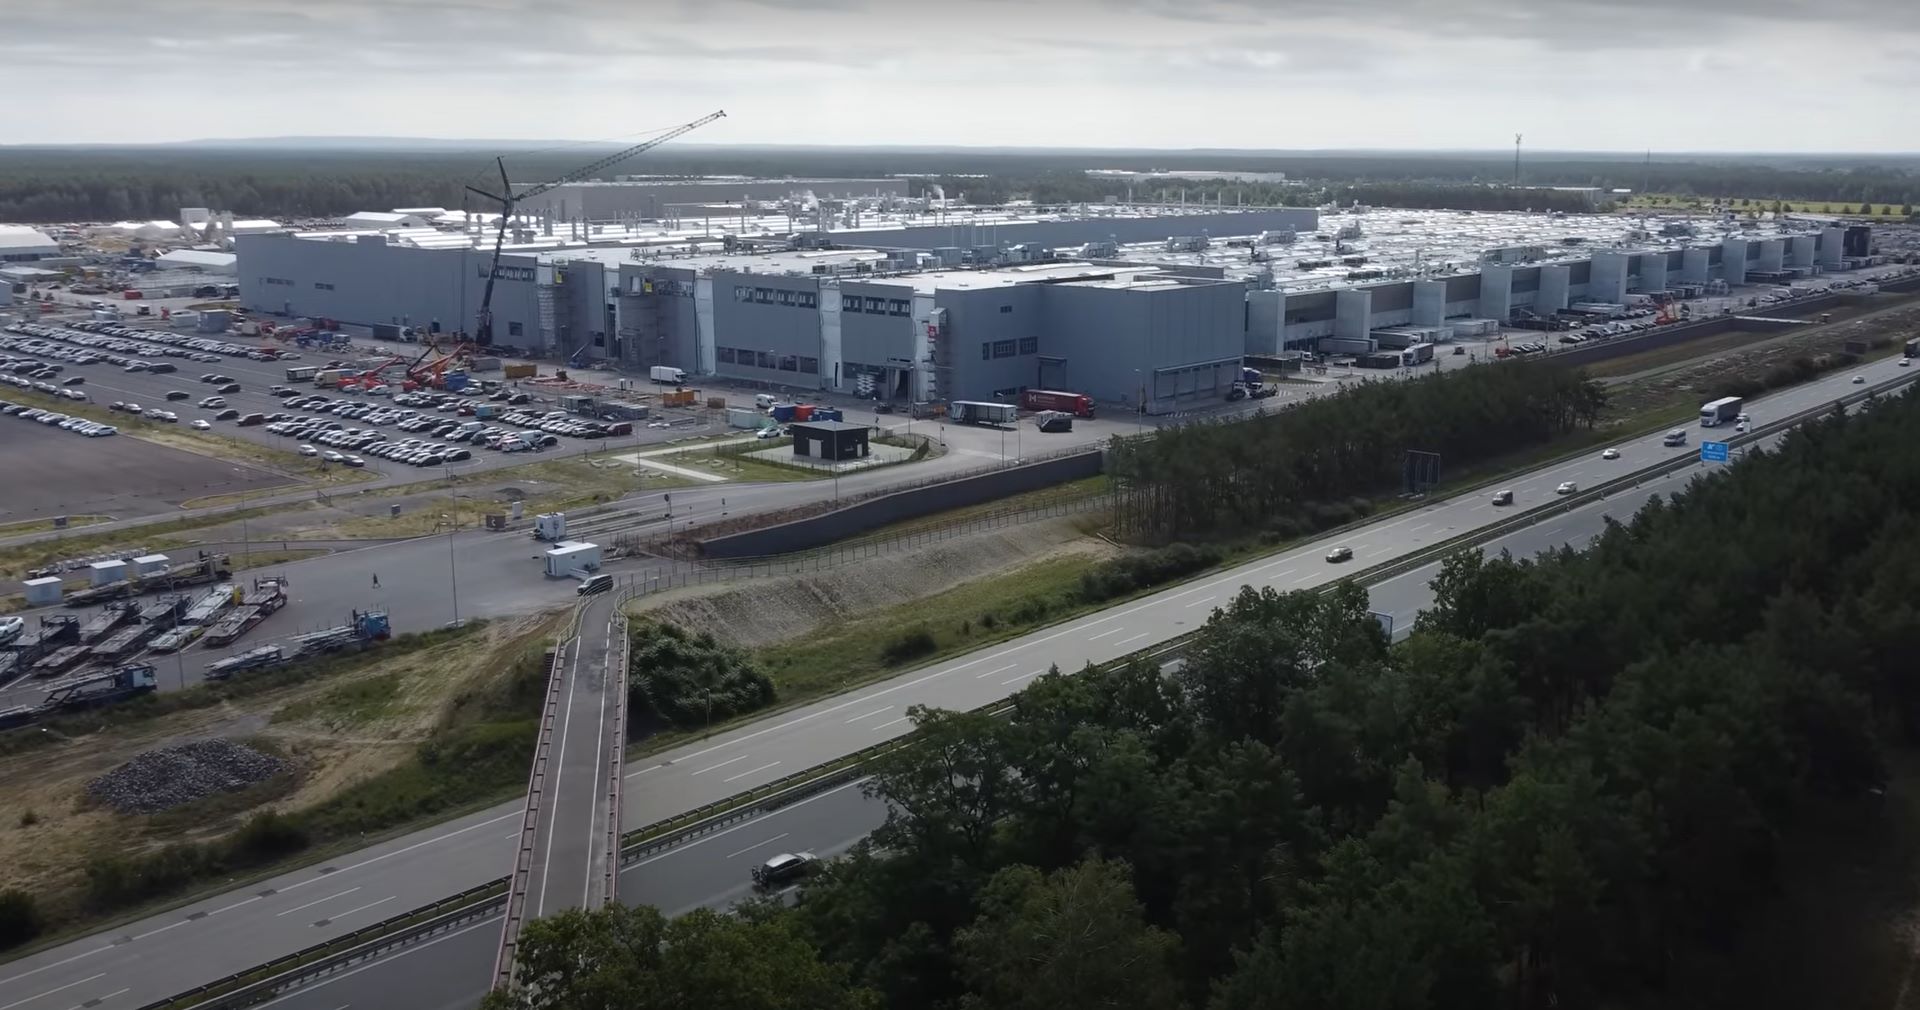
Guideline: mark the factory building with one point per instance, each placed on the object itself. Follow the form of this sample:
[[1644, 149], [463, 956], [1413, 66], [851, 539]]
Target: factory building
[[21, 244], [657, 198]]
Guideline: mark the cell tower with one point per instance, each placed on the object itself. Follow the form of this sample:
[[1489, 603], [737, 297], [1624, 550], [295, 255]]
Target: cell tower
[[1516, 159]]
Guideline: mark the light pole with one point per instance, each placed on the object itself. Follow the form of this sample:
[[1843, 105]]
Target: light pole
[[1139, 403]]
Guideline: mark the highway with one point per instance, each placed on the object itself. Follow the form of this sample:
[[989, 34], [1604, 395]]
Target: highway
[[206, 940]]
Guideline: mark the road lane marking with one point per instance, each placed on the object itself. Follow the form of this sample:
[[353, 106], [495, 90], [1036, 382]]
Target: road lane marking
[[162, 929], [117, 992], [1549, 534], [546, 863], [1275, 577], [1024, 676], [400, 851], [594, 836], [1135, 638], [1202, 601], [722, 764], [752, 771], [750, 848], [676, 850], [870, 715], [989, 673], [316, 901], [1301, 579], [56, 964], [329, 980], [50, 992], [894, 722], [1109, 631], [1420, 527], [362, 908], [237, 904]]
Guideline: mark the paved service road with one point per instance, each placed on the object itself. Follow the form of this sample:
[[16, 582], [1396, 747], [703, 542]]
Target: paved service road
[[451, 972], [173, 951]]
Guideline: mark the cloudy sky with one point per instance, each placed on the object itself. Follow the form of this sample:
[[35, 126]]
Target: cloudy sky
[[1807, 75]]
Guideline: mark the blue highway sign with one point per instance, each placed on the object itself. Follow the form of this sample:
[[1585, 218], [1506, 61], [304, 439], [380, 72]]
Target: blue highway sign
[[1713, 452]]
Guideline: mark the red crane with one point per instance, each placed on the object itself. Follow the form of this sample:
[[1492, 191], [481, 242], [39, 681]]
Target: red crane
[[509, 200]]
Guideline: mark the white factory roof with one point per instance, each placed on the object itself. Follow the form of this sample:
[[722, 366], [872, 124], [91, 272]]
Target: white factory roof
[[19, 236], [199, 258], [254, 226], [377, 217]]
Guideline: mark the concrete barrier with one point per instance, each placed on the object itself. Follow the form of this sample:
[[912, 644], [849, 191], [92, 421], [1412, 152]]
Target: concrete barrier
[[858, 518]]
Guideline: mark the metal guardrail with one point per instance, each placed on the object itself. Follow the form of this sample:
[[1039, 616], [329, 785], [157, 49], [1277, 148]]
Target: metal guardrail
[[516, 896], [617, 677], [256, 985]]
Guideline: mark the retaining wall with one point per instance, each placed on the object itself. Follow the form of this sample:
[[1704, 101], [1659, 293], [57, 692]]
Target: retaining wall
[[858, 518]]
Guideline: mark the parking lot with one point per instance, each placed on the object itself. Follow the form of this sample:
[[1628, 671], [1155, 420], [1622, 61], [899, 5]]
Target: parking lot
[[53, 472]]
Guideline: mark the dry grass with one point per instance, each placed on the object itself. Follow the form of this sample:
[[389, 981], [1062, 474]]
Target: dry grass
[[26, 526]]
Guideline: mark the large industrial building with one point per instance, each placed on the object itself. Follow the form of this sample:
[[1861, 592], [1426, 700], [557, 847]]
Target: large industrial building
[[1152, 305], [660, 198]]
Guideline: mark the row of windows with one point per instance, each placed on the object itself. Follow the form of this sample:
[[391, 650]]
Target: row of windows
[[661, 286], [767, 360], [1007, 348], [876, 306], [318, 286], [776, 296], [507, 273], [282, 281]]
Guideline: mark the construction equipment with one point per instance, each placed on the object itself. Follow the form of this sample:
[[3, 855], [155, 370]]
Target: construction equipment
[[102, 688], [365, 626], [203, 569], [509, 201], [102, 624], [55, 631], [252, 607], [252, 659]]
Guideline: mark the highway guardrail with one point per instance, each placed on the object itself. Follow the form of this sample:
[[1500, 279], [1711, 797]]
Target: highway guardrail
[[259, 984], [516, 895]]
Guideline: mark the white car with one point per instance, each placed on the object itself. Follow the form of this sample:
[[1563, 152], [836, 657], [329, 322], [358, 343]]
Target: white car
[[1904, 362], [1859, 380], [307, 450], [333, 457], [202, 426], [10, 628], [1566, 487], [1610, 454]]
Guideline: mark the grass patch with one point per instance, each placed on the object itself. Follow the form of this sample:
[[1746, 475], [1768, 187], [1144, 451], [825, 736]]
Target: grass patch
[[157, 536], [1676, 354], [1071, 491], [733, 463], [572, 482], [26, 526], [352, 704]]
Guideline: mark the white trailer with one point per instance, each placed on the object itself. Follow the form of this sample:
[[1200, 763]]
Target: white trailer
[[572, 559]]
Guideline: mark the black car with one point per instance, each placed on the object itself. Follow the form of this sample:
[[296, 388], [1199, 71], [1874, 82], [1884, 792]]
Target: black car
[[229, 387], [784, 868], [75, 381], [227, 415]]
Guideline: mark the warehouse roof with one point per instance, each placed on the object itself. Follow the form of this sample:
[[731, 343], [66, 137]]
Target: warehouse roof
[[19, 236], [199, 258]]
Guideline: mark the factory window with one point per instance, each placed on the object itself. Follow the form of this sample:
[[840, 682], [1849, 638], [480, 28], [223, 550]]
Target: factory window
[[986, 351], [806, 299], [764, 296], [764, 359], [318, 286], [280, 281], [725, 354], [516, 330], [810, 366], [1003, 348], [1006, 308], [1029, 345], [899, 307], [743, 294], [789, 363], [784, 297], [849, 303], [876, 305]]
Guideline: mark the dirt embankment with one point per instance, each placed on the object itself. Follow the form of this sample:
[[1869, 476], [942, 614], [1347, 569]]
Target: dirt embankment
[[760, 612]]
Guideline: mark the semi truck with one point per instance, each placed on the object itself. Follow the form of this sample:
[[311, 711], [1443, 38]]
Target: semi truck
[[203, 569], [1912, 348], [668, 374], [252, 659], [978, 412], [302, 373], [1718, 412], [88, 691], [1077, 404]]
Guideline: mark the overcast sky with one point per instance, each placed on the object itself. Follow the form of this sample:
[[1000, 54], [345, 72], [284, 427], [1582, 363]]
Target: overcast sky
[[1782, 75]]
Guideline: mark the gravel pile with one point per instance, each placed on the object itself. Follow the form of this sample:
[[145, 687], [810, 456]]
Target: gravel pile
[[163, 779]]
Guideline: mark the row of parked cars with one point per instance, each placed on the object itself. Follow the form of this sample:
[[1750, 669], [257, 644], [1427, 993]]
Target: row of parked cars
[[55, 419], [127, 347]]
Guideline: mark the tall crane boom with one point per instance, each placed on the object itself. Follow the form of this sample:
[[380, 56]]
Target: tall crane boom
[[509, 200]]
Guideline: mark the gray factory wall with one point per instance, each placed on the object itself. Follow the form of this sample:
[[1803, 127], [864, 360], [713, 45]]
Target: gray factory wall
[[874, 339], [589, 322], [820, 530], [371, 282], [741, 324], [1193, 342], [985, 322], [1091, 229], [658, 327]]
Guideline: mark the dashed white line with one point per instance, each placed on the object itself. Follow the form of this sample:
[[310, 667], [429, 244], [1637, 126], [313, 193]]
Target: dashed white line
[[1135, 638], [50, 992], [96, 1001], [750, 848], [316, 901], [893, 722], [722, 764], [1203, 601], [989, 673], [1109, 631], [1024, 676], [337, 917], [56, 964], [870, 715], [752, 771], [1275, 577]]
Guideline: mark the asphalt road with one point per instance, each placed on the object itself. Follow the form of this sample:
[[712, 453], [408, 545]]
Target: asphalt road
[[171, 952]]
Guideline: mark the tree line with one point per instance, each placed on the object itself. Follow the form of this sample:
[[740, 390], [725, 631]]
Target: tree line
[[1569, 787], [46, 185], [1301, 468]]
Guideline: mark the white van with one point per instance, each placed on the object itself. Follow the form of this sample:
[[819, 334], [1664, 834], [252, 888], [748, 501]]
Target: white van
[[765, 401], [1677, 436]]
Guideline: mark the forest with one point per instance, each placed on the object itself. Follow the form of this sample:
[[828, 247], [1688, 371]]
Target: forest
[[1570, 787], [46, 185], [1300, 469]]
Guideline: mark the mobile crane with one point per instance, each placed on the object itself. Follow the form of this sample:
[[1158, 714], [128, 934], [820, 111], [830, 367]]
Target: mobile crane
[[509, 201]]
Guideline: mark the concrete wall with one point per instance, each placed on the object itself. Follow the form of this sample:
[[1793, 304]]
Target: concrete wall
[[986, 328], [960, 233], [1801, 250], [1429, 303], [1496, 291], [1733, 260], [1653, 271], [1607, 281], [1773, 254], [1696, 266], [1353, 315], [1832, 251], [820, 530], [776, 339], [368, 282], [658, 320], [1555, 285], [1266, 321]]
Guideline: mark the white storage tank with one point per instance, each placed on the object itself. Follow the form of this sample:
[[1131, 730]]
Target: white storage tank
[[571, 557], [106, 573]]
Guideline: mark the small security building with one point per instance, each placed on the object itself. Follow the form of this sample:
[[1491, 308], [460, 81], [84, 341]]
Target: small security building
[[829, 441]]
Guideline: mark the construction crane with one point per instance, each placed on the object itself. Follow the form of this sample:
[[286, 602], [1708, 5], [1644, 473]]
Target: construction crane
[[508, 201]]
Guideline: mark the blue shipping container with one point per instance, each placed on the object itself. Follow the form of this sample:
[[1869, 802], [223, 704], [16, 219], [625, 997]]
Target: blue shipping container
[[782, 412]]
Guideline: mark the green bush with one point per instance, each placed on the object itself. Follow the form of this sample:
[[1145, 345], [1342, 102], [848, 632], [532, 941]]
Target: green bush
[[690, 680], [266, 836], [909, 644], [115, 881], [19, 918], [1123, 576]]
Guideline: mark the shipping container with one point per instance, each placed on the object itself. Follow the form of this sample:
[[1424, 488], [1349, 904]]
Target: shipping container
[[744, 418], [803, 411], [520, 371], [1077, 404], [782, 412], [979, 412]]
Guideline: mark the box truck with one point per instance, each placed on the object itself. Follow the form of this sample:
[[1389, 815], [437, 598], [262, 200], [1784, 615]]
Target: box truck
[[1077, 404], [978, 412], [668, 374]]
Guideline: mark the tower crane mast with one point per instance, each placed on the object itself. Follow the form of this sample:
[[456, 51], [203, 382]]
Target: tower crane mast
[[509, 200]]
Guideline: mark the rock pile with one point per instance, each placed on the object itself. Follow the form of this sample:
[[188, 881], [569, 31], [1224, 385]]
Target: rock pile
[[166, 778]]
